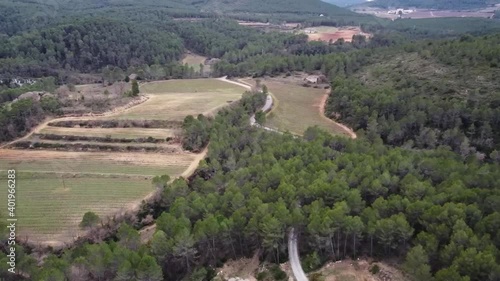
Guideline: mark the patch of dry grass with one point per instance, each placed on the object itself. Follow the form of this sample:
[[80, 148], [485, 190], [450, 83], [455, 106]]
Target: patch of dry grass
[[121, 133], [296, 108], [175, 99], [195, 61]]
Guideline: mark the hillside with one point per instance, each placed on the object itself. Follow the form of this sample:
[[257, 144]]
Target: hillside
[[434, 4], [86, 46]]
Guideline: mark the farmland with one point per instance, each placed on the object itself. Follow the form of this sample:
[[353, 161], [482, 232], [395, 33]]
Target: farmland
[[105, 169], [297, 108], [51, 206], [327, 33], [127, 133], [174, 99], [193, 60]]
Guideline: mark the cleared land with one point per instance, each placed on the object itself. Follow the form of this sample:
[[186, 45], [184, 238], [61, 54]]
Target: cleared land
[[125, 133], [100, 163], [55, 188], [50, 207], [195, 61], [327, 33], [297, 108], [174, 99]]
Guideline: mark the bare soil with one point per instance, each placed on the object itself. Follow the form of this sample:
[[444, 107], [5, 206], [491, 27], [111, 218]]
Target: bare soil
[[242, 268], [93, 98], [358, 270], [345, 33]]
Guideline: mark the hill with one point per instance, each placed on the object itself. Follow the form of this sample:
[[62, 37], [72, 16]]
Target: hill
[[434, 4], [345, 3]]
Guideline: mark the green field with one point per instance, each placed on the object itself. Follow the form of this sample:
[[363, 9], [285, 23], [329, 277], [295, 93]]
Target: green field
[[174, 99], [195, 61], [296, 108], [55, 188], [50, 207]]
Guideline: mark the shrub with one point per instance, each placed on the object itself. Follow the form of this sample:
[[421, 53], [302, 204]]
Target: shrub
[[375, 269], [89, 219]]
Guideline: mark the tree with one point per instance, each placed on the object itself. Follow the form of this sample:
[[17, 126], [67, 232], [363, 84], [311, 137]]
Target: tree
[[135, 88], [260, 117], [160, 246], [264, 89], [128, 237], [89, 219], [148, 270], [417, 264], [183, 246]]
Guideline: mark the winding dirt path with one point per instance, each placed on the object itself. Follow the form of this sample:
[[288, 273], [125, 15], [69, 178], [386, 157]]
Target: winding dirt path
[[346, 129]]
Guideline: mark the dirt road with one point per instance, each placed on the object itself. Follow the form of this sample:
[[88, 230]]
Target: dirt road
[[346, 129]]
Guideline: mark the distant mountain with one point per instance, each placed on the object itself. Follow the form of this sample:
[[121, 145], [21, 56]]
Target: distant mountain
[[271, 6], [344, 3], [433, 4]]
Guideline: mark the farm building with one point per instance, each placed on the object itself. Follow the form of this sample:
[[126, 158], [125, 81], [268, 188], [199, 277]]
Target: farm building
[[313, 79]]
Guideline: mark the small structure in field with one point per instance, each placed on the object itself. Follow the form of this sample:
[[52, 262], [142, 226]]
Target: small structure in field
[[313, 79], [132, 76]]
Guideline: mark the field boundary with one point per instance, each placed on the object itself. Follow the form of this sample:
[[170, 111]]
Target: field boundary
[[322, 105]]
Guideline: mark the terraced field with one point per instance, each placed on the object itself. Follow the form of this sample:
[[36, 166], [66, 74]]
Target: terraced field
[[63, 172], [118, 133]]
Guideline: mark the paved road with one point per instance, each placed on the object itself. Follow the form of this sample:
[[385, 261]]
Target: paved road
[[293, 255], [267, 106]]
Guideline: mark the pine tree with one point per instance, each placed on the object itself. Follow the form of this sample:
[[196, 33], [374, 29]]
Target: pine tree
[[135, 88]]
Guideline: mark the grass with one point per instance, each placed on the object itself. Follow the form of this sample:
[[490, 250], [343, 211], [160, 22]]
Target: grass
[[323, 29], [195, 61], [55, 188], [119, 133], [188, 86], [88, 163], [297, 108], [50, 207], [174, 99]]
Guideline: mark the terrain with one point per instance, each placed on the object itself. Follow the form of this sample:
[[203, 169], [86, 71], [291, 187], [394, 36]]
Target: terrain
[[105, 170], [297, 108], [134, 162]]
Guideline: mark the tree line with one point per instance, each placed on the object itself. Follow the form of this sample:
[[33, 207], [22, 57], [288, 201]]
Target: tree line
[[86, 46]]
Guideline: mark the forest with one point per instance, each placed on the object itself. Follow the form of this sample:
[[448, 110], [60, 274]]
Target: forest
[[430, 209], [419, 94], [86, 46], [419, 185]]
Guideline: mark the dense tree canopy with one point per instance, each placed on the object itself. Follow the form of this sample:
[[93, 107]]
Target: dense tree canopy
[[87, 46]]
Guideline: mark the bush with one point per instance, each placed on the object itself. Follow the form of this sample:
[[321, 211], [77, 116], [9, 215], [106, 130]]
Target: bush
[[277, 273], [311, 262], [89, 219], [375, 269]]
